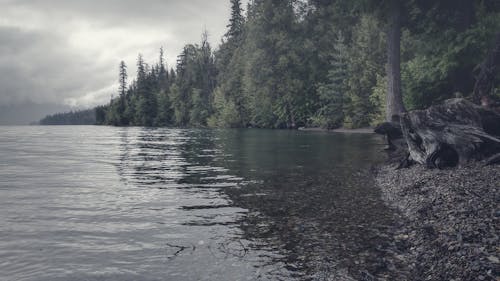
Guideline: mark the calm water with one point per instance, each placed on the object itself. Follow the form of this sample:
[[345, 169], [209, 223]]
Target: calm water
[[102, 203]]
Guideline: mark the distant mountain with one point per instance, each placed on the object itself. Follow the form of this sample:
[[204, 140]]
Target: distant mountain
[[28, 112]]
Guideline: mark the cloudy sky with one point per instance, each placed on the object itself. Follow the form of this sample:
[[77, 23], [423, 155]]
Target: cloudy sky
[[67, 52]]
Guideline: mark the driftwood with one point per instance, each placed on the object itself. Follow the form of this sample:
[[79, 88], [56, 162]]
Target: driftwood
[[448, 135]]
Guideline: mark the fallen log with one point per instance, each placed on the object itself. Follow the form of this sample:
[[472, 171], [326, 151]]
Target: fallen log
[[451, 134]]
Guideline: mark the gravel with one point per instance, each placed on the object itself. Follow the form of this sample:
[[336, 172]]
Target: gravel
[[450, 220]]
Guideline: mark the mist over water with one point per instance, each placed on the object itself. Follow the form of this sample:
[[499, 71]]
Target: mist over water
[[104, 203]]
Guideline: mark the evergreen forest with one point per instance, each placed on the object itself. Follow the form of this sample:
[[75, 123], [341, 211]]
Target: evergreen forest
[[314, 63], [78, 117]]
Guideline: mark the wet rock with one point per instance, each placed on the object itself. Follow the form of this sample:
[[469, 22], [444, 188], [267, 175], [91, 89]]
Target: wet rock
[[493, 259]]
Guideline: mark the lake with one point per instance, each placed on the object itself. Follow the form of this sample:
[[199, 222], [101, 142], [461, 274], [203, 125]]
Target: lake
[[106, 203]]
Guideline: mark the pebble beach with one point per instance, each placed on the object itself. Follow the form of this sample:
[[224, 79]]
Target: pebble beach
[[450, 220]]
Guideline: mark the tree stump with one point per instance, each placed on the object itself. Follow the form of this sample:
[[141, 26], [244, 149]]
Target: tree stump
[[450, 134]]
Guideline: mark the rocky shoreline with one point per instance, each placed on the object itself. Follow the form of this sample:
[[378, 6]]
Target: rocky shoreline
[[366, 130], [450, 220]]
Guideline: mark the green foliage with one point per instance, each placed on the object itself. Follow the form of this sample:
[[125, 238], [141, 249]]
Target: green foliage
[[165, 112], [377, 99], [100, 115], [262, 114], [179, 105], [330, 114], [365, 64], [309, 63], [192, 90], [199, 112], [273, 74], [146, 107], [113, 116], [226, 112], [444, 50]]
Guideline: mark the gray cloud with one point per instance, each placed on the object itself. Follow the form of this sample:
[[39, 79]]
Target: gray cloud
[[36, 66], [67, 51]]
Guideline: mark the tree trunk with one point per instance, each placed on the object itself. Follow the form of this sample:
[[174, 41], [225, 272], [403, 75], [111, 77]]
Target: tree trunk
[[486, 77], [394, 100]]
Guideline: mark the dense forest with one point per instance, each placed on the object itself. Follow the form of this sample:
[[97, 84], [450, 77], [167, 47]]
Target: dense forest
[[78, 117], [315, 63]]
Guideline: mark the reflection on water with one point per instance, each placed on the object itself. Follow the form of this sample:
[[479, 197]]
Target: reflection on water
[[100, 203]]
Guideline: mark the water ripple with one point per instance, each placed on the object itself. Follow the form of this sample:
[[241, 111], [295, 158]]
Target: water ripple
[[102, 203]]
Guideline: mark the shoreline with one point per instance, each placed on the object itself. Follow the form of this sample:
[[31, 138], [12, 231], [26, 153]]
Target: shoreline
[[367, 130], [450, 220]]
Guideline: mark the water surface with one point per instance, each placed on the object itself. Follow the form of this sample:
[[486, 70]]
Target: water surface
[[104, 203]]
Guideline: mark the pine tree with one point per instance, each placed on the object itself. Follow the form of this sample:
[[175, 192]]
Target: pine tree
[[282, 65], [273, 77], [141, 68], [365, 64], [146, 109], [180, 91], [162, 73], [235, 26], [229, 59], [162, 61], [204, 84], [122, 93], [330, 114]]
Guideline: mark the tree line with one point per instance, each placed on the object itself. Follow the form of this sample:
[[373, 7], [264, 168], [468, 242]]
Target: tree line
[[315, 63], [77, 117]]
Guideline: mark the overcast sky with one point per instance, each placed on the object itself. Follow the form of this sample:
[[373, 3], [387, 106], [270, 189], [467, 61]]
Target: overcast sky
[[68, 51]]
